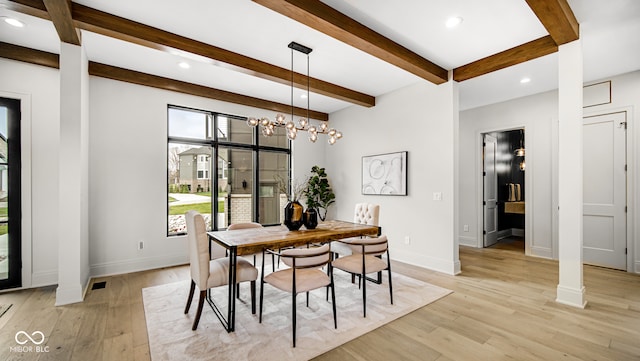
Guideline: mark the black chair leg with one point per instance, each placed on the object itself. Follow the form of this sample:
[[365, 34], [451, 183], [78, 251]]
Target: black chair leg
[[390, 285], [190, 298], [333, 301], [237, 290], [253, 297], [203, 294], [307, 299], [261, 287], [293, 315], [364, 294], [273, 262]]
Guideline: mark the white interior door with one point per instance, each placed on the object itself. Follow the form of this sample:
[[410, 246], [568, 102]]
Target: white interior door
[[490, 191], [605, 191]]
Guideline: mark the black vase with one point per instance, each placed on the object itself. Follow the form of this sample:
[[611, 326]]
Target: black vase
[[293, 215], [310, 218]]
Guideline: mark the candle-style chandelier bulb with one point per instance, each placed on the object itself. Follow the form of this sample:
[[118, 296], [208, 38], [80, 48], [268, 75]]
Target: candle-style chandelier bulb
[[252, 122], [280, 118], [303, 122]]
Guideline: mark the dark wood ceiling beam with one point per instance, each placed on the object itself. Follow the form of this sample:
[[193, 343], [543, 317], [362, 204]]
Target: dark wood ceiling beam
[[520, 54], [329, 21], [30, 7], [135, 77], [120, 28], [33, 56], [60, 14], [27, 55], [558, 18]]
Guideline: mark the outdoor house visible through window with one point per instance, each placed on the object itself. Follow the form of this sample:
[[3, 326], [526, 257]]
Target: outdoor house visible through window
[[223, 169]]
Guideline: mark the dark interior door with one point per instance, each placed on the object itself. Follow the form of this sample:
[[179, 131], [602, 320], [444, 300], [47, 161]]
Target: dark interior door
[[10, 207]]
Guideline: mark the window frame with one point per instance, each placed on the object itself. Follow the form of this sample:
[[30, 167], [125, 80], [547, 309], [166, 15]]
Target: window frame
[[214, 143]]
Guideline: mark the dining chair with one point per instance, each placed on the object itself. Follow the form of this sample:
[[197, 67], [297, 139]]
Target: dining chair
[[247, 225], [364, 213], [207, 273], [303, 275], [364, 260]]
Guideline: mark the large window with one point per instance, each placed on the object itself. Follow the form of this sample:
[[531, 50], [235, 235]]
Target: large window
[[217, 165]]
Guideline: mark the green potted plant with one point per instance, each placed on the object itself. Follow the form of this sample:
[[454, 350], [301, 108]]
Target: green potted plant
[[318, 192]]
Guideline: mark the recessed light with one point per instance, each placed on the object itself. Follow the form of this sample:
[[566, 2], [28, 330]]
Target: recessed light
[[524, 80], [184, 65], [453, 21], [13, 22]]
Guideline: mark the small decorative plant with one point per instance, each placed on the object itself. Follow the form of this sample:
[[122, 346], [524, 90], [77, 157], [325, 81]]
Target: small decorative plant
[[318, 192], [297, 188]]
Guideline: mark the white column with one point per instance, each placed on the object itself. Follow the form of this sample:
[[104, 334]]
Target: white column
[[570, 289], [453, 107], [73, 245]]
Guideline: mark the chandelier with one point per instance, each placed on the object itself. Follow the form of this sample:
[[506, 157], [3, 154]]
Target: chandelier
[[268, 126]]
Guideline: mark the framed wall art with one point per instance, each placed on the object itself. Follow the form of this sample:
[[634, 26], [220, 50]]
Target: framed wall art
[[385, 174]]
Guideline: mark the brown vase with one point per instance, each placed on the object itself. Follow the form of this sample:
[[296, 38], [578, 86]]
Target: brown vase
[[293, 215]]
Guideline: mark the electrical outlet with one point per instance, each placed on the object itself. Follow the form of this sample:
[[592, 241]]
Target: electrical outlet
[[466, 228], [407, 240], [140, 245], [437, 196]]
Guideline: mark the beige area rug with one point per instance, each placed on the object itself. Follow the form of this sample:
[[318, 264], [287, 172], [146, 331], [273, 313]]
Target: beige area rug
[[171, 338]]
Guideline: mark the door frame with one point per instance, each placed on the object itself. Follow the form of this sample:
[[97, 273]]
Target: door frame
[[528, 190], [25, 173], [629, 151]]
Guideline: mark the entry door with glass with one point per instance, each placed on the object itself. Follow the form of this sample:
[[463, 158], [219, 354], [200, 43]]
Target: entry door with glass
[[10, 208]]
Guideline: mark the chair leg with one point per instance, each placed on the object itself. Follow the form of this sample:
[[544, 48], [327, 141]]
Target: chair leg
[[261, 288], [273, 262], [307, 299], [293, 315], [364, 294], [253, 297], [203, 294], [190, 298], [237, 290], [390, 285], [333, 301]]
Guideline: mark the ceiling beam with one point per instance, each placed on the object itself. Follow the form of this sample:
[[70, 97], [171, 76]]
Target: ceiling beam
[[30, 7], [558, 18], [33, 56], [135, 77], [27, 55], [60, 14], [120, 28], [329, 21], [520, 54]]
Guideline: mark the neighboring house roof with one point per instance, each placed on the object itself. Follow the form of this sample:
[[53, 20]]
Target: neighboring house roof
[[196, 151]]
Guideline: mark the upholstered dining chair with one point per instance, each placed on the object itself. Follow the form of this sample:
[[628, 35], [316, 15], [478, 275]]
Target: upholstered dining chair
[[247, 225], [366, 260], [303, 275], [364, 213], [209, 273]]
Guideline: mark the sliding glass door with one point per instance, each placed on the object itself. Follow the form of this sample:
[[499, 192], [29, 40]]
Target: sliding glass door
[[10, 207]]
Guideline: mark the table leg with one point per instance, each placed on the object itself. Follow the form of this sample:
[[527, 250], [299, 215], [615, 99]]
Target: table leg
[[233, 260]]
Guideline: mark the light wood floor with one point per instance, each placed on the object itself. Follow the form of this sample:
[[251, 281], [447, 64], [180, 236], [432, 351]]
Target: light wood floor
[[502, 308]]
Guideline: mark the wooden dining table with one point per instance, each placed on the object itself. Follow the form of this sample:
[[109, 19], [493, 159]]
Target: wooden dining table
[[255, 240]]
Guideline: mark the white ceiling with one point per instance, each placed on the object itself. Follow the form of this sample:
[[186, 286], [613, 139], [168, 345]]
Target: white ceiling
[[609, 32]]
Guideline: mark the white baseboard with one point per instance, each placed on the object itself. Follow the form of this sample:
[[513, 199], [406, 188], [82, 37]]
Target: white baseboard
[[637, 268], [431, 263], [542, 252], [518, 232], [136, 265], [503, 234], [69, 294], [467, 241], [571, 296], [44, 278]]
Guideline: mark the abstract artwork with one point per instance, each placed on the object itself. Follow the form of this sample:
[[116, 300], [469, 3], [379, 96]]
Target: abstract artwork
[[385, 174]]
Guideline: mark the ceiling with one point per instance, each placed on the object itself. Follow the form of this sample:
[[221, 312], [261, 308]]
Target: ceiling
[[608, 31]]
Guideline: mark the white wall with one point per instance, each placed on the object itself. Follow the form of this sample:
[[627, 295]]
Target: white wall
[[417, 119], [41, 85], [538, 114], [128, 170]]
